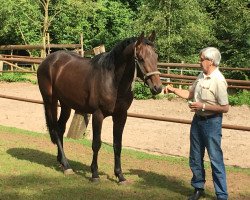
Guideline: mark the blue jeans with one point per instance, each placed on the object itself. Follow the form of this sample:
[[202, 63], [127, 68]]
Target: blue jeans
[[206, 133]]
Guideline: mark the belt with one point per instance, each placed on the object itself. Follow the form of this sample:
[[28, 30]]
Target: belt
[[208, 117]]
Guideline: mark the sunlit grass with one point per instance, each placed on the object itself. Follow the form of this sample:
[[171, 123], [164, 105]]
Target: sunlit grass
[[29, 170]]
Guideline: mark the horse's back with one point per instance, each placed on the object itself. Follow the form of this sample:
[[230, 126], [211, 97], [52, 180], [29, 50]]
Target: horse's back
[[77, 82], [60, 59]]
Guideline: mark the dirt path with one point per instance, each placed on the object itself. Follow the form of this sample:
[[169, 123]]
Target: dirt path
[[145, 135]]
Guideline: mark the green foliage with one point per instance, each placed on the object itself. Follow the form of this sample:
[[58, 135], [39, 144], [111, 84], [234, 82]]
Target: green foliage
[[22, 22], [14, 77], [19, 17], [237, 75], [114, 18], [232, 30], [180, 33], [141, 91], [240, 98]]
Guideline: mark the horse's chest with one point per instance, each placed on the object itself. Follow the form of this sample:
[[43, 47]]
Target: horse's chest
[[103, 96]]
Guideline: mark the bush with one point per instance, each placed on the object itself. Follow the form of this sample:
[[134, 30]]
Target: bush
[[14, 77], [141, 91], [240, 98]]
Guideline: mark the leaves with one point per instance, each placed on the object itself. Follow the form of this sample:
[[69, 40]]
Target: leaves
[[183, 27]]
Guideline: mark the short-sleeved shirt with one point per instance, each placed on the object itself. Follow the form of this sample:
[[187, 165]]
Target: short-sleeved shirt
[[211, 89]]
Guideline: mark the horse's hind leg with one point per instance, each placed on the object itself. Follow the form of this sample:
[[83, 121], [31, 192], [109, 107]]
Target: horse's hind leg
[[50, 105], [61, 158], [119, 120], [97, 119]]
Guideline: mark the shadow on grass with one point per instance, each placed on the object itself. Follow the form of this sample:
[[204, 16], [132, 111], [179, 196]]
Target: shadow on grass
[[173, 187], [171, 183], [48, 160]]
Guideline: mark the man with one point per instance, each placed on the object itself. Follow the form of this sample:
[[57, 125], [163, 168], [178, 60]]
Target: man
[[209, 99]]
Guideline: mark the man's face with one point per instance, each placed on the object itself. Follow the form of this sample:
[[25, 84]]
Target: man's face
[[205, 63]]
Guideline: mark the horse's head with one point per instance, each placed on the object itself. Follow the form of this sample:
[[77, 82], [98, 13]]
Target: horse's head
[[146, 61]]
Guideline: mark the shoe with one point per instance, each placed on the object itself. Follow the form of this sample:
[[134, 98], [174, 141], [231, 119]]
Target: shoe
[[198, 192]]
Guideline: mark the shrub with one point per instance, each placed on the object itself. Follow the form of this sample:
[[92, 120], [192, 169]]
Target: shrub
[[141, 91], [14, 77], [240, 98]]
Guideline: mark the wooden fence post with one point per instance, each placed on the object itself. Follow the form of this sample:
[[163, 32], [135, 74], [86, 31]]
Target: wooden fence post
[[182, 62], [81, 42], [78, 125], [1, 66]]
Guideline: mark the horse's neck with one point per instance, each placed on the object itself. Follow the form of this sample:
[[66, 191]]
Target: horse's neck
[[124, 71]]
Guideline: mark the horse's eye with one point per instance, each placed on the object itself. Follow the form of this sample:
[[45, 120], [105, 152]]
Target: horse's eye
[[140, 59]]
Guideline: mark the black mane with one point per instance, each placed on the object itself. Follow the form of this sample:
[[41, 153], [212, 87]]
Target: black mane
[[107, 60]]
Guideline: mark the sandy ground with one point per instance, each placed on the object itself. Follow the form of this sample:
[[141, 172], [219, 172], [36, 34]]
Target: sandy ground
[[158, 137]]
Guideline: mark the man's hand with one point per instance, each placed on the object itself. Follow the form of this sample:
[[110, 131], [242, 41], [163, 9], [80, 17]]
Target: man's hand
[[194, 106], [169, 89]]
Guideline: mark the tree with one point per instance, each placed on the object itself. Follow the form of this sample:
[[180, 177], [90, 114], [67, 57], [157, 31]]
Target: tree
[[180, 33], [17, 18], [232, 29], [101, 21]]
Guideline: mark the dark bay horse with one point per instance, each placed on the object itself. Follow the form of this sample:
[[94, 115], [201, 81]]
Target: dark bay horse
[[100, 86]]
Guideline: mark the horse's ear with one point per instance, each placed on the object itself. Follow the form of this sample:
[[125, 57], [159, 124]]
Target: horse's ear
[[139, 39], [152, 36]]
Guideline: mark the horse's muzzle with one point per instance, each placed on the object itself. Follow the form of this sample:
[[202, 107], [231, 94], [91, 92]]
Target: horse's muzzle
[[156, 90]]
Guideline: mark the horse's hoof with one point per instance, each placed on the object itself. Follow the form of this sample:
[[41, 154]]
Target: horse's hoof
[[125, 182], [68, 172], [95, 180]]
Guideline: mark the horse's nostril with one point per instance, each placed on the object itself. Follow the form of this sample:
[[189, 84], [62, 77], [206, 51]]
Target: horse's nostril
[[156, 90]]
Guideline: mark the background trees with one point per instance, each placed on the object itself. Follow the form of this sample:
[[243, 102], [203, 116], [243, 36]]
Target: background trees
[[183, 26]]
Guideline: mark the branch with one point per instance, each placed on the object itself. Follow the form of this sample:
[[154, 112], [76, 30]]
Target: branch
[[22, 35]]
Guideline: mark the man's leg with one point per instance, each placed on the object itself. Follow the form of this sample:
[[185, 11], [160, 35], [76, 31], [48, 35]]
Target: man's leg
[[197, 150], [213, 144]]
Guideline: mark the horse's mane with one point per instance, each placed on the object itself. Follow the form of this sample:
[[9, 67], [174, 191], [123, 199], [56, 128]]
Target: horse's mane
[[107, 60]]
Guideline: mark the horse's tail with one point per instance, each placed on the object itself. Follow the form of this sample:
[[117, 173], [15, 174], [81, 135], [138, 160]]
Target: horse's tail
[[44, 78], [52, 127]]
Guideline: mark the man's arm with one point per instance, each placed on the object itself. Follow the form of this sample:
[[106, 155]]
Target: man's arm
[[215, 108], [185, 94]]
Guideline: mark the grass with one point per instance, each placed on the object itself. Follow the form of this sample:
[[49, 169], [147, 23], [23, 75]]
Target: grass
[[28, 170]]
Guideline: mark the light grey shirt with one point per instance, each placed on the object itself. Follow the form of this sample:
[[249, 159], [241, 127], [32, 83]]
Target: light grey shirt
[[211, 89]]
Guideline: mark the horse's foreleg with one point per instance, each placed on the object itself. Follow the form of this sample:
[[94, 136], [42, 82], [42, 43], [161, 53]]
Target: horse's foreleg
[[119, 121], [97, 119]]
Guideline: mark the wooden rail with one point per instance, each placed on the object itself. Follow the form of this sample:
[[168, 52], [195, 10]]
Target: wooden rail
[[151, 117], [197, 66], [242, 82], [190, 83], [39, 46]]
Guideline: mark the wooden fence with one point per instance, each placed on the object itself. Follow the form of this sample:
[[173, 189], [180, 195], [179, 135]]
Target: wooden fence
[[167, 78], [149, 117], [180, 79]]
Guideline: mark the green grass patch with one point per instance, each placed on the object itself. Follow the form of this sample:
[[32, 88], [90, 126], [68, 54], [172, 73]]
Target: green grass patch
[[18, 77], [29, 170]]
